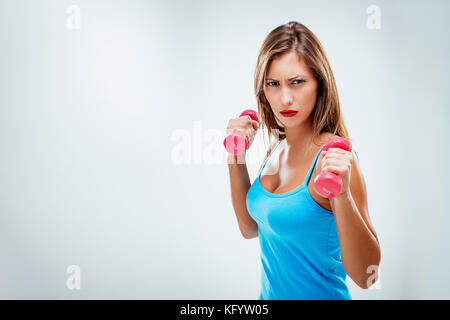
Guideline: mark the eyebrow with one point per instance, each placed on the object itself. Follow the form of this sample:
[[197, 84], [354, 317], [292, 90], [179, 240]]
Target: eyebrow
[[288, 79]]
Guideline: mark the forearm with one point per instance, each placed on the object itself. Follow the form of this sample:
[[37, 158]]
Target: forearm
[[239, 186], [359, 247]]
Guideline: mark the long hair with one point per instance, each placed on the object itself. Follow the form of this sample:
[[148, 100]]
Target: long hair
[[326, 115]]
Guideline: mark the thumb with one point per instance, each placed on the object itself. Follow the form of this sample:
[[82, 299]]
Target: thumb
[[322, 155], [255, 124]]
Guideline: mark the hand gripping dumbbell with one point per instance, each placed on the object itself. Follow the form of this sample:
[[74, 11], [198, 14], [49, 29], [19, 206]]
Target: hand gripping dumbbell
[[329, 184], [236, 142]]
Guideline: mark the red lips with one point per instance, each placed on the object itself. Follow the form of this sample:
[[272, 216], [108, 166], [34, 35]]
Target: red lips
[[284, 111], [288, 113]]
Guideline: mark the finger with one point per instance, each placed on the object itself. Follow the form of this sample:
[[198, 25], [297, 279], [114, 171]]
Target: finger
[[338, 150], [334, 162], [339, 156], [335, 169], [247, 121]]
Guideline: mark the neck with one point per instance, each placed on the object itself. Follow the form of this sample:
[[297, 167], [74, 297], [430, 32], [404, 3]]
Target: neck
[[299, 138]]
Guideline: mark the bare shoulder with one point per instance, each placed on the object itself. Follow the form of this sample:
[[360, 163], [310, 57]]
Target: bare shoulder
[[272, 146], [325, 136]]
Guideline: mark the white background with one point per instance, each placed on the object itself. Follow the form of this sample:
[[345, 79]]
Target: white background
[[88, 117]]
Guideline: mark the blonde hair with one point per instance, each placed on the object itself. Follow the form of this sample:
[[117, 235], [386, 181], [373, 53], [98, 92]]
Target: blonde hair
[[326, 115]]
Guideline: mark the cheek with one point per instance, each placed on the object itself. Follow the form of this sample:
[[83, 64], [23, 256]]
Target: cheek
[[271, 98], [306, 97]]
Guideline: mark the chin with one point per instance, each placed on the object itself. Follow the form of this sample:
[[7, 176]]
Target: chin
[[291, 123]]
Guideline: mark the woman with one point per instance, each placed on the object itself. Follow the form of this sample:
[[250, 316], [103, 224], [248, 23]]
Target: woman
[[308, 243]]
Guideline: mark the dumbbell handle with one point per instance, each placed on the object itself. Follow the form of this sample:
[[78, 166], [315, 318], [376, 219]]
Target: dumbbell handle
[[236, 142], [329, 184]]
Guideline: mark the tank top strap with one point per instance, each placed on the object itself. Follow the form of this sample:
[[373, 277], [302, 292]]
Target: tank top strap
[[264, 164], [308, 175], [353, 149]]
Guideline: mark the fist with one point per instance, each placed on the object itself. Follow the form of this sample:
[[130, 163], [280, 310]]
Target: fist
[[339, 162], [245, 125]]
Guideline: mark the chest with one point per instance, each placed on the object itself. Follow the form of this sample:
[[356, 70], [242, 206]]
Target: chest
[[279, 176]]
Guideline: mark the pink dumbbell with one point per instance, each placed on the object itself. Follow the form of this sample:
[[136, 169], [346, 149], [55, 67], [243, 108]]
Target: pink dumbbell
[[236, 142], [329, 184]]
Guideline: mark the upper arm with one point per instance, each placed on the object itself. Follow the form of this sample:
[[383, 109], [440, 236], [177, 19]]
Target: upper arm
[[358, 191]]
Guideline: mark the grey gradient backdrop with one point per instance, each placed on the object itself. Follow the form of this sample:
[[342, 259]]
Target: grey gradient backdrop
[[87, 125]]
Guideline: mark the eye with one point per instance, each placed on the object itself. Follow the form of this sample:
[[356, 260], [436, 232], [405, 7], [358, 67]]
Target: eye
[[299, 81], [272, 83]]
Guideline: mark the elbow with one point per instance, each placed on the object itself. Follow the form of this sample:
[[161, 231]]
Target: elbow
[[366, 282], [369, 277], [249, 231], [249, 235], [363, 284]]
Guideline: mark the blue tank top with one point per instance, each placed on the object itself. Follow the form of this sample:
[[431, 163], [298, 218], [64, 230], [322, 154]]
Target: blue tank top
[[300, 253]]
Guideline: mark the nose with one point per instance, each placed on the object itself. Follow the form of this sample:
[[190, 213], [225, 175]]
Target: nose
[[286, 97]]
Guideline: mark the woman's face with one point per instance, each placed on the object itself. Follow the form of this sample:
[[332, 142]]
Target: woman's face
[[290, 85]]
